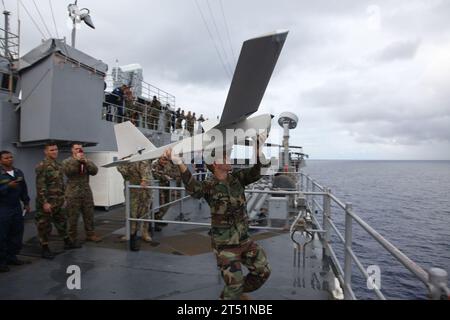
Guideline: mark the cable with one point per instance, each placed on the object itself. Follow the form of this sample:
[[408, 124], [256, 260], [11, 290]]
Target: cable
[[42, 19], [212, 39], [220, 38], [228, 32], [53, 16], [224, 65], [34, 22]]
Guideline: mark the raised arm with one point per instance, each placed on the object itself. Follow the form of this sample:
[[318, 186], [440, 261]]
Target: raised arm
[[195, 188], [253, 174], [91, 168], [250, 175]]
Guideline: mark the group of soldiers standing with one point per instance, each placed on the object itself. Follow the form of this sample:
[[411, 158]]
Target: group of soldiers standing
[[147, 114], [173, 120], [57, 202], [128, 108], [190, 120], [61, 203], [63, 194]]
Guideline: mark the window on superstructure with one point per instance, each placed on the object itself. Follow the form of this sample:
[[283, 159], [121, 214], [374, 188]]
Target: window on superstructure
[[5, 79]]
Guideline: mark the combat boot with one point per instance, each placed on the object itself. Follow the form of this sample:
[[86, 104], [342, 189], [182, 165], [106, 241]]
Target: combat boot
[[46, 253], [69, 244], [145, 235], [134, 243], [93, 238]]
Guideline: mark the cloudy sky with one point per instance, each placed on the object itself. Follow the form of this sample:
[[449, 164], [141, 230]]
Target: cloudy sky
[[368, 79]]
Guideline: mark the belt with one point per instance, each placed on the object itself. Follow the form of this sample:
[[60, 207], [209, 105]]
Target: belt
[[228, 219], [232, 246]]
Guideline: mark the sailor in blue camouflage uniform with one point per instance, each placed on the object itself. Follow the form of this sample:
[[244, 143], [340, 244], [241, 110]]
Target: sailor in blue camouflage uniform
[[13, 191], [231, 242]]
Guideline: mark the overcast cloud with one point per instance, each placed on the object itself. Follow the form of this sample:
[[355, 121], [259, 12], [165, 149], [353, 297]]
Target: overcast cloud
[[368, 79]]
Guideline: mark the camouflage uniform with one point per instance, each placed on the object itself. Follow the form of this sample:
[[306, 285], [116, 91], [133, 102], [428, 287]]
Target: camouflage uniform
[[50, 189], [153, 114], [190, 122], [131, 112], [167, 119], [163, 175], [230, 238], [79, 195], [140, 199], [178, 123], [194, 120]]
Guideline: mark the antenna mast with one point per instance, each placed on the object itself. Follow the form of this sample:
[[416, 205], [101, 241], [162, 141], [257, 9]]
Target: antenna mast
[[78, 15]]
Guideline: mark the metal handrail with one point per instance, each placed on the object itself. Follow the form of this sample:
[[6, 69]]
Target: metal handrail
[[400, 256], [128, 217], [150, 117], [148, 90], [434, 280]]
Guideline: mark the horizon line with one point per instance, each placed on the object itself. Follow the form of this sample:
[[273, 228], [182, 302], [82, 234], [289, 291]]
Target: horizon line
[[331, 159]]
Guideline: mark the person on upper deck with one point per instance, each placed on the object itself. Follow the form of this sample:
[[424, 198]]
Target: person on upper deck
[[180, 118], [200, 121], [153, 114], [119, 94]]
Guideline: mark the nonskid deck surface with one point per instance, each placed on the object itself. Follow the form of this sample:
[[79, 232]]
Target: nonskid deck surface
[[178, 264]]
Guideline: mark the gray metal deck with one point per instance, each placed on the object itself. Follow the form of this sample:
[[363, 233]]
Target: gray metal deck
[[177, 265]]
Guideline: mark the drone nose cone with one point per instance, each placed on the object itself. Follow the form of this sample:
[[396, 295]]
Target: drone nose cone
[[87, 19]]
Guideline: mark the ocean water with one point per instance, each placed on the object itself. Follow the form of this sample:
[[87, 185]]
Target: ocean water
[[407, 202]]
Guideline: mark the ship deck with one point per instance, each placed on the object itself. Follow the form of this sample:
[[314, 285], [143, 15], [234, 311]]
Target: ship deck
[[177, 265]]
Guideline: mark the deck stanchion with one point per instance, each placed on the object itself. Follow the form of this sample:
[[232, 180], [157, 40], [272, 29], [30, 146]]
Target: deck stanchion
[[348, 248], [127, 211], [326, 215]]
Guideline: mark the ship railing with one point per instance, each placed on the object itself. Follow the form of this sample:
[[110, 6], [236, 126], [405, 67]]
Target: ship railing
[[150, 216], [141, 89], [141, 115], [435, 279]]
